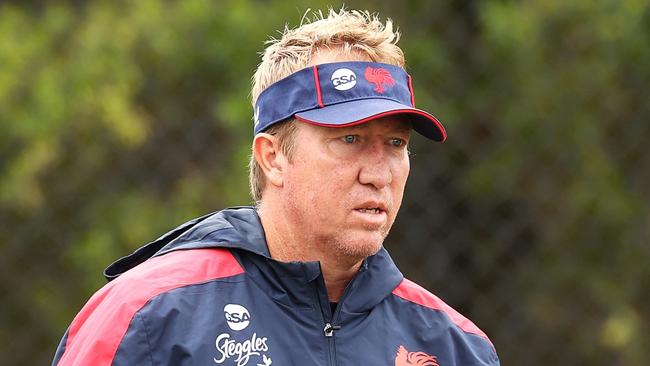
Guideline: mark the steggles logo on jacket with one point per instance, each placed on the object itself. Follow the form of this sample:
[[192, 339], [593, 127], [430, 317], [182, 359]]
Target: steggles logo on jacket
[[238, 318], [406, 358]]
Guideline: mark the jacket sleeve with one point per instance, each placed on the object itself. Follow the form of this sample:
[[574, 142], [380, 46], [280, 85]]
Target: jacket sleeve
[[110, 329], [134, 348], [60, 349], [104, 345], [105, 327]]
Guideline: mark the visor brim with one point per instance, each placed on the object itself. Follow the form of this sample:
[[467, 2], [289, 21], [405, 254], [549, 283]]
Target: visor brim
[[364, 110]]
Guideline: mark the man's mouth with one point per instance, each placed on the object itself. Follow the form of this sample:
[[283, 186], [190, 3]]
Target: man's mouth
[[372, 210], [371, 207]]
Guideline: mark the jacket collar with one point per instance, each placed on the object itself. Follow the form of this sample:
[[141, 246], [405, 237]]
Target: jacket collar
[[240, 228]]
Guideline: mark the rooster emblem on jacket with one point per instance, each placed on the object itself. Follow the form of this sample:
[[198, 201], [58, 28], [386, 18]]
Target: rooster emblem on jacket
[[406, 358]]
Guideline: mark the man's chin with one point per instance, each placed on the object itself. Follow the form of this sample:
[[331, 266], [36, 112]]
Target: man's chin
[[360, 247]]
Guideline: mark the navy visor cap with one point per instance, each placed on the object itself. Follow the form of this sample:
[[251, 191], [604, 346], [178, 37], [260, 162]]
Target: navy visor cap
[[344, 94]]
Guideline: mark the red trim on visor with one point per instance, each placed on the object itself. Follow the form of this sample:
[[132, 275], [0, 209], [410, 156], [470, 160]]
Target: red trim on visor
[[411, 90], [441, 129], [319, 95], [410, 291], [98, 329]]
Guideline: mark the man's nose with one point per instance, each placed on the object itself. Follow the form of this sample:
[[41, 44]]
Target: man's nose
[[375, 166]]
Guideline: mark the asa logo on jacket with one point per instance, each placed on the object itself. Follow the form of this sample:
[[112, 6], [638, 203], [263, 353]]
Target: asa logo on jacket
[[239, 347], [237, 316]]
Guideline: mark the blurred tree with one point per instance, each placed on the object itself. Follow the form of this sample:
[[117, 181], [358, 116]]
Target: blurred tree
[[541, 192], [119, 120]]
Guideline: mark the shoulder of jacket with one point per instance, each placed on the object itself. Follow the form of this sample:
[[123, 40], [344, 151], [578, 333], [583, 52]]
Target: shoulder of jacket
[[182, 267], [108, 314], [414, 293]]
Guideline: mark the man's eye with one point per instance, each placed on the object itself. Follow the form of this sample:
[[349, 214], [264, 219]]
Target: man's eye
[[397, 142], [350, 139]]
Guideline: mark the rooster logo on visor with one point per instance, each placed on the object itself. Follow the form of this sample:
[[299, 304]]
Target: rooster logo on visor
[[379, 77]]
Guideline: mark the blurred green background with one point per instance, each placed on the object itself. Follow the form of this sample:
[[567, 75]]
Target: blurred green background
[[121, 119]]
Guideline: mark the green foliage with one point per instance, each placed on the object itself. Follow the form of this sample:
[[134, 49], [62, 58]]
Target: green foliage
[[121, 119], [571, 94], [118, 120]]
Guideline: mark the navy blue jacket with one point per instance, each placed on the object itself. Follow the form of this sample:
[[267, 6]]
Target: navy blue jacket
[[208, 293]]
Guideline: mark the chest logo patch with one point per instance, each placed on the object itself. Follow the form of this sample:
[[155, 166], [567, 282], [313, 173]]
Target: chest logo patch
[[237, 316], [406, 358], [241, 347]]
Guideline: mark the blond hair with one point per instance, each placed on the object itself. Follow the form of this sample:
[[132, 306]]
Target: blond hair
[[350, 31]]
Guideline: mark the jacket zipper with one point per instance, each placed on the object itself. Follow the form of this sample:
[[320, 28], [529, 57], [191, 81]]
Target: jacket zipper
[[328, 330], [331, 327]]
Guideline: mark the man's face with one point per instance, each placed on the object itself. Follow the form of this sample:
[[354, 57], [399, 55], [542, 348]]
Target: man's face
[[344, 186]]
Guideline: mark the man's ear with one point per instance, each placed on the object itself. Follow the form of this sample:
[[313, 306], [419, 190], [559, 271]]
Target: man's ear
[[271, 160]]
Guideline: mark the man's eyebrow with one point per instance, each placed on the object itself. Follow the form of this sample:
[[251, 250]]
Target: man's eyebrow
[[405, 127]]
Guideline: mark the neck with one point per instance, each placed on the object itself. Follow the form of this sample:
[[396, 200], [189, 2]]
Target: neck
[[289, 245]]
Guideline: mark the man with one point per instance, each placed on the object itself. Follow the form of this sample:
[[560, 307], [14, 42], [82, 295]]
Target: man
[[301, 278]]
